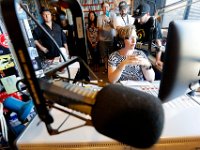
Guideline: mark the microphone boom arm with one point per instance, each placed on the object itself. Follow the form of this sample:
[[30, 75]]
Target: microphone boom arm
[[33, 84]]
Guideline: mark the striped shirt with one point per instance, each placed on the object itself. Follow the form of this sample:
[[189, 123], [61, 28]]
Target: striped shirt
[[131, 72]]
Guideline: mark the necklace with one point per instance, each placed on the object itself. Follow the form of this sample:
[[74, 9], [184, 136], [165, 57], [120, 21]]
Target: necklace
[[126, 19]]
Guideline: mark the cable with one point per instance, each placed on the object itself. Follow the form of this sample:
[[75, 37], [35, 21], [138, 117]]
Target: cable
[[4, 128]]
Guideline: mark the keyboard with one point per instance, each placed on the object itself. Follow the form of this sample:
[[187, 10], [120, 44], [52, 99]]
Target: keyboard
[[181, 102], [144, 86], [151, 89], [67, 94]]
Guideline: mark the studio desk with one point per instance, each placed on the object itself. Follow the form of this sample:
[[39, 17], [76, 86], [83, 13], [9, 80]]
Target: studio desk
[[181, 128]]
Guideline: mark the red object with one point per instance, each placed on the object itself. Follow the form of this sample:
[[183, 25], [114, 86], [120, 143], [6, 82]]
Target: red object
[[64, 4], [4, 95], [4, 40]]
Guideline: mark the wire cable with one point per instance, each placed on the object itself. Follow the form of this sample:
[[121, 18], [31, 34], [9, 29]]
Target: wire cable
[[4, 128]]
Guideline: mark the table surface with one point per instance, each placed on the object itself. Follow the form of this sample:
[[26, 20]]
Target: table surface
[[182, 124]]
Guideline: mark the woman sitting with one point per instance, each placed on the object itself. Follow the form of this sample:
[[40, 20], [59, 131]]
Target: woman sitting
[[129, 63]]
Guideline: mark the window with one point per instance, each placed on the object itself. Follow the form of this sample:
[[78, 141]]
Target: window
[[180, 10]]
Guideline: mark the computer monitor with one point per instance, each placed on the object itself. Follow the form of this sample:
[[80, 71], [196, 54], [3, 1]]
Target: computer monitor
[[182, 59]]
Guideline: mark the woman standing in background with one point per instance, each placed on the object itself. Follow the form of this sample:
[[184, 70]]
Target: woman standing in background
[[92, 36]]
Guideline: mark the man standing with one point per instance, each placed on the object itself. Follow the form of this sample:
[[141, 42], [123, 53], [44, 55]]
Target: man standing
[[44, 43], [124, 18], [106, 32], [148, 28]]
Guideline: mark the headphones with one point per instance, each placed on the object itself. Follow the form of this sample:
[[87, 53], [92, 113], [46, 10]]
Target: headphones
[[119, 43], [120, 39]]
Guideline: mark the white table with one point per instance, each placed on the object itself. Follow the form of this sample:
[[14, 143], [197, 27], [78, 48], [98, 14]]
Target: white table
[[181, 131]]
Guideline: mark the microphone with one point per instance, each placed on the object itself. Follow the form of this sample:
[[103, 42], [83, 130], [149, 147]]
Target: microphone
[[127, 115]]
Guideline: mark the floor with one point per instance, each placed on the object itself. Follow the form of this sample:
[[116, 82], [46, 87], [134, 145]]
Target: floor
[[100, 74]]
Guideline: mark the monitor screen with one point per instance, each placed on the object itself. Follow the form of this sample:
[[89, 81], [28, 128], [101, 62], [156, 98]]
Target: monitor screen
[[182, 59]]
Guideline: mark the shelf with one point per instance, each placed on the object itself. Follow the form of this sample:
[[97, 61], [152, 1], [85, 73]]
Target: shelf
[[92, 10], [93, 5], [90, 4]]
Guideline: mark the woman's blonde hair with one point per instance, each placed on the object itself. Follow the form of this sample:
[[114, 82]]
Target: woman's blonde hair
[[126, 31]]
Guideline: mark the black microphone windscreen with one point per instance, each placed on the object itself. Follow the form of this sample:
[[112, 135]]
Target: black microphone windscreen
[[128, 115]]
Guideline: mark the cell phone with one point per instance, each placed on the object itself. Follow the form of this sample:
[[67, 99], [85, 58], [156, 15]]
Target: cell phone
[[107, 13]]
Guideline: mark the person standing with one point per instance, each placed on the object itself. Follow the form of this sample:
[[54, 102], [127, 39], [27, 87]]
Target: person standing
[[68, 29], [148, 28], [93, 39], [124, 18], [106, 32], [44, 44]]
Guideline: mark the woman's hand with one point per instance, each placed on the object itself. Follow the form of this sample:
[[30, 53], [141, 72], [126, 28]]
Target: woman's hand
[[131, 60], [144, 62], [136, 60]]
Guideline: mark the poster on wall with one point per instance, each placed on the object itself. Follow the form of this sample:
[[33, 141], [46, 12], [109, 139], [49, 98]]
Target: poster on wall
[[4, 49], [7, 65]]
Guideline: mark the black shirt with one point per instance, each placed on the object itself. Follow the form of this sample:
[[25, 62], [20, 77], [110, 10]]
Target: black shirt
[[144, 30], [57, 34]]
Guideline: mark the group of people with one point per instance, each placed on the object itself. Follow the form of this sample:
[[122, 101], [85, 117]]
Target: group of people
[[123, 63]]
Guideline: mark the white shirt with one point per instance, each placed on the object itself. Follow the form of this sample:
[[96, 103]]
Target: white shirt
[[123, 21], [108, 33]]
